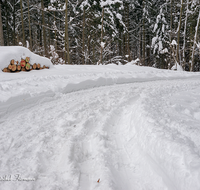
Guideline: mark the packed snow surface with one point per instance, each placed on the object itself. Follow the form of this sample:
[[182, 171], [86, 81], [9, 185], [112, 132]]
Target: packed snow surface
[[100, 128]]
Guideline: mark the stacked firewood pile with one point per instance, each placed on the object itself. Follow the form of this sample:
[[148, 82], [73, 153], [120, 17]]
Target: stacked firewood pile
[[23, 65]]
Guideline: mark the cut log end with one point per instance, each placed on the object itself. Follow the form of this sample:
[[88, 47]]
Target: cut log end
[[14, 67], [38, 66], [23, 63], [19, 67], [12, 62], [28, 66], [10, 67], [27, 59], [5, 70], [34, 66]]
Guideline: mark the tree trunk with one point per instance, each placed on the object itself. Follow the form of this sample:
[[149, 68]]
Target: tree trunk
[[1, 30], [43, 29], [178, 35], [6, 34], [120, 43], [29, 24], [143, 43], [14, 39], [83, 38], [23, 32], [124, 44], [184, 34], [101, 55], [170, 36], [128, 36], [67, 56], [93, 49], [194, 43], [140, 41], [143, 36], [148, 51], [55, 40]]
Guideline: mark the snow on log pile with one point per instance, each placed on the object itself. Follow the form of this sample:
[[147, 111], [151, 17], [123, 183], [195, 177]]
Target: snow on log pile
[[17, 58], [23, 65]]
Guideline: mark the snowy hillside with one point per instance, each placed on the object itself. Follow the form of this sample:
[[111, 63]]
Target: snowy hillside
[[100, 128]]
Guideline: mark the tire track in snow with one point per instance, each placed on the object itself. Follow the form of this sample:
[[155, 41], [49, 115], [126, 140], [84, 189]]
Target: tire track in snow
[[165, 134], [104, 133], [48, 140]]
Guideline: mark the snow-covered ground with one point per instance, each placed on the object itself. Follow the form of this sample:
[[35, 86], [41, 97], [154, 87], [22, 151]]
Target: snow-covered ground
[[100, 128]]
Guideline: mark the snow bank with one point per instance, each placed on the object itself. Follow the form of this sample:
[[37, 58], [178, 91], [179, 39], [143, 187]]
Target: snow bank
[[19, 89], [17, 53]]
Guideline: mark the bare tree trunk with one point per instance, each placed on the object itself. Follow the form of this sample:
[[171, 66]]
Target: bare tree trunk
[[195, 41], [124, 44], [83, 38], [170, 37], [178, 34], [89, 50], [184, 33], [128, 25], [14, 38], [148, 50], [120, 43], [101, 55], [29, 24], [49, 31], [43, 29], [67, 56], [23, 33], [93, 49], [1, 30], [143, 37], [140, 46], [55, 31]]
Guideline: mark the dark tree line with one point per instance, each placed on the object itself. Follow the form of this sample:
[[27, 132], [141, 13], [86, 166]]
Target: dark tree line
[[160, 33]]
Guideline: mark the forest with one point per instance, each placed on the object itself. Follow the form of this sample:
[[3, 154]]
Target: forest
[[156, 33]]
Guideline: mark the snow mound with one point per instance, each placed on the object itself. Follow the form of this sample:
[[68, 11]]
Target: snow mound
[[133, 62], [17, 53]]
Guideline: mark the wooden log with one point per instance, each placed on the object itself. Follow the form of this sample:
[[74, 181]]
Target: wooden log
[[43, 67], [28, 66], [34, 66], [27, 59], [5, 70], [23, 69], [14, 67], [12, 62], [23, 63], [47, 67], [10, 67], [38, 66], [19, 67]]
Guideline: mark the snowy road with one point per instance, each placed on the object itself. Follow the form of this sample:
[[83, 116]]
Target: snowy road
[[139, 136]]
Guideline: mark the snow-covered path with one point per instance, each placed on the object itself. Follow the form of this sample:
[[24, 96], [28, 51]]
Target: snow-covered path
[[133, 136]]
